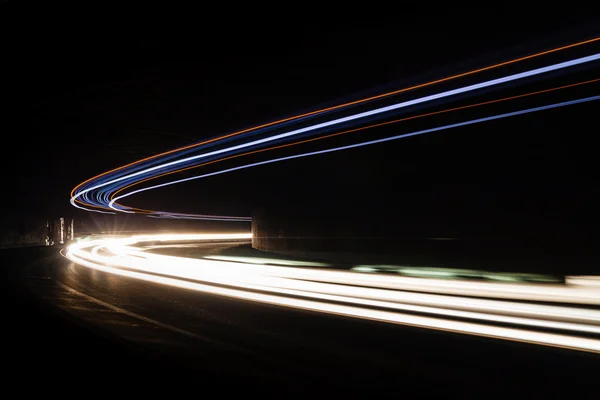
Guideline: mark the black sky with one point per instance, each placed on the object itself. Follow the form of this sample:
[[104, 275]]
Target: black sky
[[84, 95]]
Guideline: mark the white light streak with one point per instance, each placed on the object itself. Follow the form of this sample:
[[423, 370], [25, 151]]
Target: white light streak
[[384, 298], [381, 110]]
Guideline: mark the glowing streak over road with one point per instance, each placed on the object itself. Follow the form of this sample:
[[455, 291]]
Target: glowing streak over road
[[430, 83], [355, 117], [377, 141], [192, 216], [437, 303]]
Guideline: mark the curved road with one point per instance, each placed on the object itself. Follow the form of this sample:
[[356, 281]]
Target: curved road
[[200, 335]]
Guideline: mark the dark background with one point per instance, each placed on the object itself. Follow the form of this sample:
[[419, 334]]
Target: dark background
[[86, 92], [88, 88]]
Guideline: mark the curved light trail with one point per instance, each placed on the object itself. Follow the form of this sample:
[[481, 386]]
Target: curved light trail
[[559, 315], [377, 141], [543, 314], [470, 106], [99, 193], [449, 78]]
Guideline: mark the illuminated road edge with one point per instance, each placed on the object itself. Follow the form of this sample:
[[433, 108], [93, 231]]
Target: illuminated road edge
[[426, 303]]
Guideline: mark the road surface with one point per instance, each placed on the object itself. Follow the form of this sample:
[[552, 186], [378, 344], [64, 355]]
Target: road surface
[[171, 333]]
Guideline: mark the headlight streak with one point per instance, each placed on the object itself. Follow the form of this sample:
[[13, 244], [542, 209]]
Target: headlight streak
[[363, 295], [354, 117], [377, 141], [151, 159], [116, 191], [438, 303], [97, 192]]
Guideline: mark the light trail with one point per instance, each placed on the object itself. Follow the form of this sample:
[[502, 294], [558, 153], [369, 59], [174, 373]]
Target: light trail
[[337, 121], [470, 106], [103, 189], [431, 303], [546, 314], [377, 141], [419, 86]]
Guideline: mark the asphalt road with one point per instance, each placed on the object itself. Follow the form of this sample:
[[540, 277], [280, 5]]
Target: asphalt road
[[66, 322]]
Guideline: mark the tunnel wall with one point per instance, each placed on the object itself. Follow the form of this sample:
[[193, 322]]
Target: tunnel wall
[[483, 195], [36, 231], [458, 239]]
